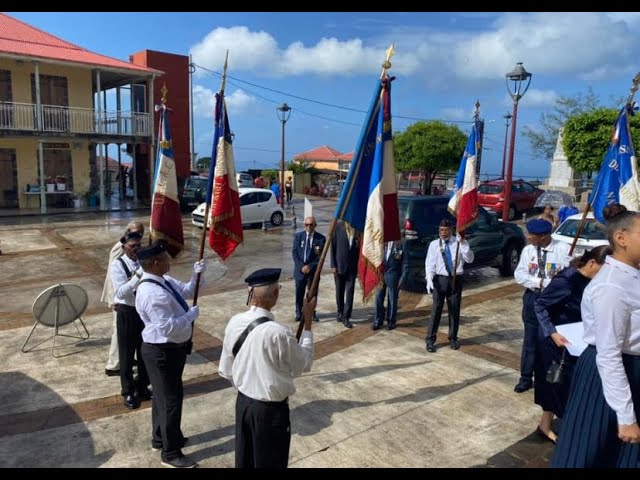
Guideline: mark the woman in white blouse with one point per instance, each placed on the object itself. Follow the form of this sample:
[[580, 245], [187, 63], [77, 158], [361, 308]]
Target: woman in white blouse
[[600, 427]]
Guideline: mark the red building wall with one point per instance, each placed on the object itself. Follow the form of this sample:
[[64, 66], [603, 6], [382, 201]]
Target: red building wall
[[176, 78]]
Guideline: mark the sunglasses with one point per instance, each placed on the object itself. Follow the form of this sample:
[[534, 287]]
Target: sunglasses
[[309, 225]]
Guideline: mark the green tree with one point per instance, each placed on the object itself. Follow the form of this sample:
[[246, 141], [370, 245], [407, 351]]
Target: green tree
[[296, 167], [587, 136], [431, 147], [271, 174], [543, 139], [203, 163]]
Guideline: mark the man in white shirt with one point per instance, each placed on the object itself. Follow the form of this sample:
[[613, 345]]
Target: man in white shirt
[[168, 320], [261, 358], [539, 262], [439, 267], [113, 362]]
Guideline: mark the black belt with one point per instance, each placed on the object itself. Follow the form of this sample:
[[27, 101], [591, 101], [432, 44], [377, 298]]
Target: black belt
[[124, 306], [264, 402], [168, 345]]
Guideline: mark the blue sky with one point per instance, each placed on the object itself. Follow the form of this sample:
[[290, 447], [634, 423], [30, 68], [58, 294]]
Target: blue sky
[[443, 63]]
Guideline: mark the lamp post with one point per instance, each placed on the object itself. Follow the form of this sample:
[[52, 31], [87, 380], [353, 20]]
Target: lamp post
[[518, 76], [284, 112], [507, 117]]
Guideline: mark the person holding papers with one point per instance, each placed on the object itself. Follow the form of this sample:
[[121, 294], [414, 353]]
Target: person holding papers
[[600, 427], [559, 304]]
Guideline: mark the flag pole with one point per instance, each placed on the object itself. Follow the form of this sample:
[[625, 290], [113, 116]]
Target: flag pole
[[583, 221], [313, 289], [162, 109], [207, 206]]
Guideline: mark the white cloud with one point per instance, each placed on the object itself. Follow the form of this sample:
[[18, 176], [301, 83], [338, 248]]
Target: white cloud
[[204, 101], [535, 98]]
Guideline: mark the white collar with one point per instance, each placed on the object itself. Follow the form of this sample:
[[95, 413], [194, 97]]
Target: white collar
[[261, 311]]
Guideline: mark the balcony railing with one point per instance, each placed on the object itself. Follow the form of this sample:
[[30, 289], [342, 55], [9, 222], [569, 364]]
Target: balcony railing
[[22, 116]]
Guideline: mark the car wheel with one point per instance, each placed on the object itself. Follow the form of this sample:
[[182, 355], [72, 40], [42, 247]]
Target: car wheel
[[512, 213], [276, 219], [510, 260]]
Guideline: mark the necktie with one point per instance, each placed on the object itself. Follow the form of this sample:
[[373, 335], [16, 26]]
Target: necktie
[[307, 248], [179, 298], [447, 256], [389, 248], [542, 260]]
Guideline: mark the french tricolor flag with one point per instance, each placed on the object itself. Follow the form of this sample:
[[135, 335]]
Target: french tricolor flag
[[464, 200]]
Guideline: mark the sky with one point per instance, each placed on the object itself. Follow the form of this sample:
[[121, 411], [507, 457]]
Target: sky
[[325, 66]]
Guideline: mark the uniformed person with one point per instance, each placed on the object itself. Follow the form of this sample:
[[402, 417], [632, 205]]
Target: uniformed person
[[168, 320], [125, 274], [539, 262], [439, 266], [261, 358]]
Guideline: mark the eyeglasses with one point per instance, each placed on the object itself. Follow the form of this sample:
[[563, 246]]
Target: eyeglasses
[[309, 225]]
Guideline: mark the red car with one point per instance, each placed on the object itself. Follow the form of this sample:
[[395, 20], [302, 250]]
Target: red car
[[523, 196]]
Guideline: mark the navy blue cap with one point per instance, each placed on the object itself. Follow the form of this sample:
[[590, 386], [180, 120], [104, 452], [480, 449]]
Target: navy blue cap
[[264, 276], [130, 236], [539, 226], [156, 248]]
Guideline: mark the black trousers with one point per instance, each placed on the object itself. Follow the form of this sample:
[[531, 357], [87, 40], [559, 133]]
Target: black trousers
[[345, 284], [302, 286], [289, 193], [263, 433], [165, 363], [442, 291], [130, 328], [529, 344]]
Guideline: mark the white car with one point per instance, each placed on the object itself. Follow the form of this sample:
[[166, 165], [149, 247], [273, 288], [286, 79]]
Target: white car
[[256, 205], [244, 180], [593, 234]]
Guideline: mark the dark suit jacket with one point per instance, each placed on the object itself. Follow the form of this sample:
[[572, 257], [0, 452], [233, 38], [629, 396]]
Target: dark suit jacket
[[343, 258], [298, 253], [393, 265]]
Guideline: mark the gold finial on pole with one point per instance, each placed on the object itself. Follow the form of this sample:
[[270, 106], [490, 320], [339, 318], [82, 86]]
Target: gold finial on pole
[[164, 91], [634, 88], [477, 112], [386, 65]]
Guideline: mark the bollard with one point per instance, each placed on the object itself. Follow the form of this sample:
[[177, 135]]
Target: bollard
[[293, 210], [264, 225], [524, 217], [294, 223]]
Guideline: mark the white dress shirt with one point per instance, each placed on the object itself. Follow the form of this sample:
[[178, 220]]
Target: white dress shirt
[[611, 316], [434, 263], [269, 359], [107, 290], [124, 287], [163, 316], [526, 273]]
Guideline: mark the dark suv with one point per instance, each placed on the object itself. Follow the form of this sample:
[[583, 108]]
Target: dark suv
[[494, 244], [193, 192]]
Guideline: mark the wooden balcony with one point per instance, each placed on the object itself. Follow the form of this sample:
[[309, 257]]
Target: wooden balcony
[[23, 117]]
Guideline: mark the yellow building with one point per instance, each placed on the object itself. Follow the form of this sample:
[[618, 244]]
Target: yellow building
[[325, 159], [55, 120]]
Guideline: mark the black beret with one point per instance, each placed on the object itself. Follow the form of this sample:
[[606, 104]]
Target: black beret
[[156, 248], [130, 236], [264, 276]]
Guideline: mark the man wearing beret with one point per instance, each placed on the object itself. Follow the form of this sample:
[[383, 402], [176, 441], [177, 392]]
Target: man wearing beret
[[539, 262], [261, 358], [168, 326]]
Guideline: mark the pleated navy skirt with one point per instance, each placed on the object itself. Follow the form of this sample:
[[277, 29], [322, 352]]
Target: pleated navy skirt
[[589, 434]]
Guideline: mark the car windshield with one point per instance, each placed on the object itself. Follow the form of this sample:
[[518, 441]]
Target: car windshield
[[591, 231], [196, 183], [489, 188]]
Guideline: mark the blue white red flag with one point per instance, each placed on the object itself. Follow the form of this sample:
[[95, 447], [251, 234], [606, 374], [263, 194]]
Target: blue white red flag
[[464, 200]]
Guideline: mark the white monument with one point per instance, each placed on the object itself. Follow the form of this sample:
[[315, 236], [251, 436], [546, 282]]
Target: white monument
[[562, 177]]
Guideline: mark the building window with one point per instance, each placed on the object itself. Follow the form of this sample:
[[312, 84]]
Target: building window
[[6, 99], [57, 163], [54, 99], [8, 178]]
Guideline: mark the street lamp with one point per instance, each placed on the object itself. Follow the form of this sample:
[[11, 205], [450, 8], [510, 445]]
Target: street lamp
[[507, 117], [284, 112], [518, 76]]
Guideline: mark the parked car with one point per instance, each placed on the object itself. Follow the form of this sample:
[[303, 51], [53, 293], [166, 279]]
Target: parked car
[[244, 180], [256, 205], [193, 192], [494, 243], [593, 234], [523, 196]]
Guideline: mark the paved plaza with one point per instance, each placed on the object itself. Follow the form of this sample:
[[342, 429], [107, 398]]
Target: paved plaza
[[372, 399]]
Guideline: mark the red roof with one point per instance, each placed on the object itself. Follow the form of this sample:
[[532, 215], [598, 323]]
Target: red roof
[[19, 38], [323, 153], [346, 156]]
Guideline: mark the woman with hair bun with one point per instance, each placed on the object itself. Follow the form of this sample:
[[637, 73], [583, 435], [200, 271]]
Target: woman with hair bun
[[600, 427], [559, 304]]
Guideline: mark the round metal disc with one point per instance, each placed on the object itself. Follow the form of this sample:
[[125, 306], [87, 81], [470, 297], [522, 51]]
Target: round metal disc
[[66, 300]]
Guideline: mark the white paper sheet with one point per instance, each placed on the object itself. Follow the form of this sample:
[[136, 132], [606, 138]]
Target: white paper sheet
[[574, 332]]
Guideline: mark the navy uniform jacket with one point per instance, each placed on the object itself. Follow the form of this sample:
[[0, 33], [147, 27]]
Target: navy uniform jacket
[[298, 253], [393, 265], [343, 257]]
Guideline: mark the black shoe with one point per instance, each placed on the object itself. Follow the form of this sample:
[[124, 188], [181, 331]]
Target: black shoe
[[111, 373], [145, 394], [375, 326], [131, 402], [431, 348], [179, 462], [391, 326], [157, 448], [454, 344], [315, 318], [347, 323], [339, 319], [522, 386]]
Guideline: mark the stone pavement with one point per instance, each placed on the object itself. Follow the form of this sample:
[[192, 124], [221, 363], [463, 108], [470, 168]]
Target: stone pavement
[[372, 399]]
